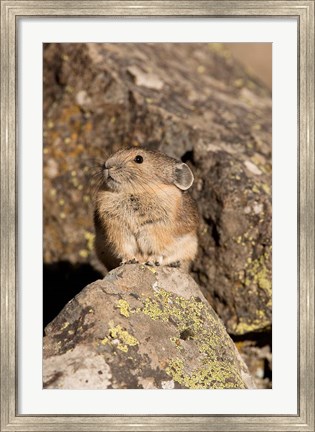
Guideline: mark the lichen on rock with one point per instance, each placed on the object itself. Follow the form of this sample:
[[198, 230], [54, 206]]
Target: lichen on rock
[[145, 330]]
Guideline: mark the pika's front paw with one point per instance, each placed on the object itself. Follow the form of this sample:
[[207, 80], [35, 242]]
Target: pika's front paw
[[175, 264], [153, 263], [131, 261]]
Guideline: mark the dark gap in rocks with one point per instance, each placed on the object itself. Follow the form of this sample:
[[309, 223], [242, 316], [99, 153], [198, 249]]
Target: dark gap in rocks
[[257, 345], [220, 299], [62, 281], [260, 338], [188, 157], [214, 231], [267, 370], [186, 334], [57, 78]]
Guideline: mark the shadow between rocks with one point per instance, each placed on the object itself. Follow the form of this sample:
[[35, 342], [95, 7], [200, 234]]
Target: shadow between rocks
[[62, 281], [259, 340]]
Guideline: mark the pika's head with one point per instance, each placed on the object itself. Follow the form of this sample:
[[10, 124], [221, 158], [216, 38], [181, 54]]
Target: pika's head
[[137, 169]]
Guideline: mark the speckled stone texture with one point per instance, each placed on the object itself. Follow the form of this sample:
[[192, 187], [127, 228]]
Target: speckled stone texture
[[141, 327]]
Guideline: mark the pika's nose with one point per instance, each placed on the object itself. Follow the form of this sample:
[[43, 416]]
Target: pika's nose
[[106, 166], [109, 163], [106, 173]]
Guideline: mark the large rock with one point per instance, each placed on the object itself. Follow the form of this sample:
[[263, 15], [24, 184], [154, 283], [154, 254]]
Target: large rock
[[234, 261], [141, 327], [191, 101]]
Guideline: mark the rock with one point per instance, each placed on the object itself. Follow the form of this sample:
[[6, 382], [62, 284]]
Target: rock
[[141, 327], [192, 101], [234, 261], [258, 359]]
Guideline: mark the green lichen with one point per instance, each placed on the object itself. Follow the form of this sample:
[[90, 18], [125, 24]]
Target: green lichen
[[164, 305], [263, 280], [214, 370], [247, 326], [206, 376], [258, 273]]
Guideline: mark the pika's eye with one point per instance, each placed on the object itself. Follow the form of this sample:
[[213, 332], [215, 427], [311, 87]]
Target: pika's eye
[[138, 159]]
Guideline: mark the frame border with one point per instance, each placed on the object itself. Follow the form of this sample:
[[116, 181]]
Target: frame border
[[10, 12]]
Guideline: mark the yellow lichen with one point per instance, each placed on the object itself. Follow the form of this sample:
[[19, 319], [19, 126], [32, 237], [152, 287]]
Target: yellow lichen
[[206, 376], [238, 83], [193, 315], [123, 307], [256, 276], [89, 237], [152, 269], [220, 48], [125, 339], [247, 326], [256, 127], [266, 188], [65, 325], [104, 341], [201, 69], [258, 273], [83, 253]]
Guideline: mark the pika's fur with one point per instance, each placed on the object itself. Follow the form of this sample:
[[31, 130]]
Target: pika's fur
[[143, 212]]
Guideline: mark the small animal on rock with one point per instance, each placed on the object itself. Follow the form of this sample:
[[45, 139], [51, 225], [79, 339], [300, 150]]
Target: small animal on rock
[[143, 210]]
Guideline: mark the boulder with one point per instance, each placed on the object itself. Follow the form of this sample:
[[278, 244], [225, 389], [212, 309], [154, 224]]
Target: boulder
[[141, 327], [191, 101]]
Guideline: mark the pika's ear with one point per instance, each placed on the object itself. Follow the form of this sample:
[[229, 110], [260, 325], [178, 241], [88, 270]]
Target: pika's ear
[[184, 178]]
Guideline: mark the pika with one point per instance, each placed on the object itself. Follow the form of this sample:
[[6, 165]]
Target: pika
[[143, 211]]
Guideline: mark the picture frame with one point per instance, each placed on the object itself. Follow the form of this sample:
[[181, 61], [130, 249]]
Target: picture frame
[[10, 12]]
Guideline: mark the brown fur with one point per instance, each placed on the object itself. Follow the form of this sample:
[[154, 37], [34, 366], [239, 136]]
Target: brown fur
[[141, 214]]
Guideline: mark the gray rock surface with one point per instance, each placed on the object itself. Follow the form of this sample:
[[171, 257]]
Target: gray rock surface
[[194, 102], [141, 327]]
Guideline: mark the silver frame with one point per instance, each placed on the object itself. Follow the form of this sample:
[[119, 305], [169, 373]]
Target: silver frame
[[10, 11]]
